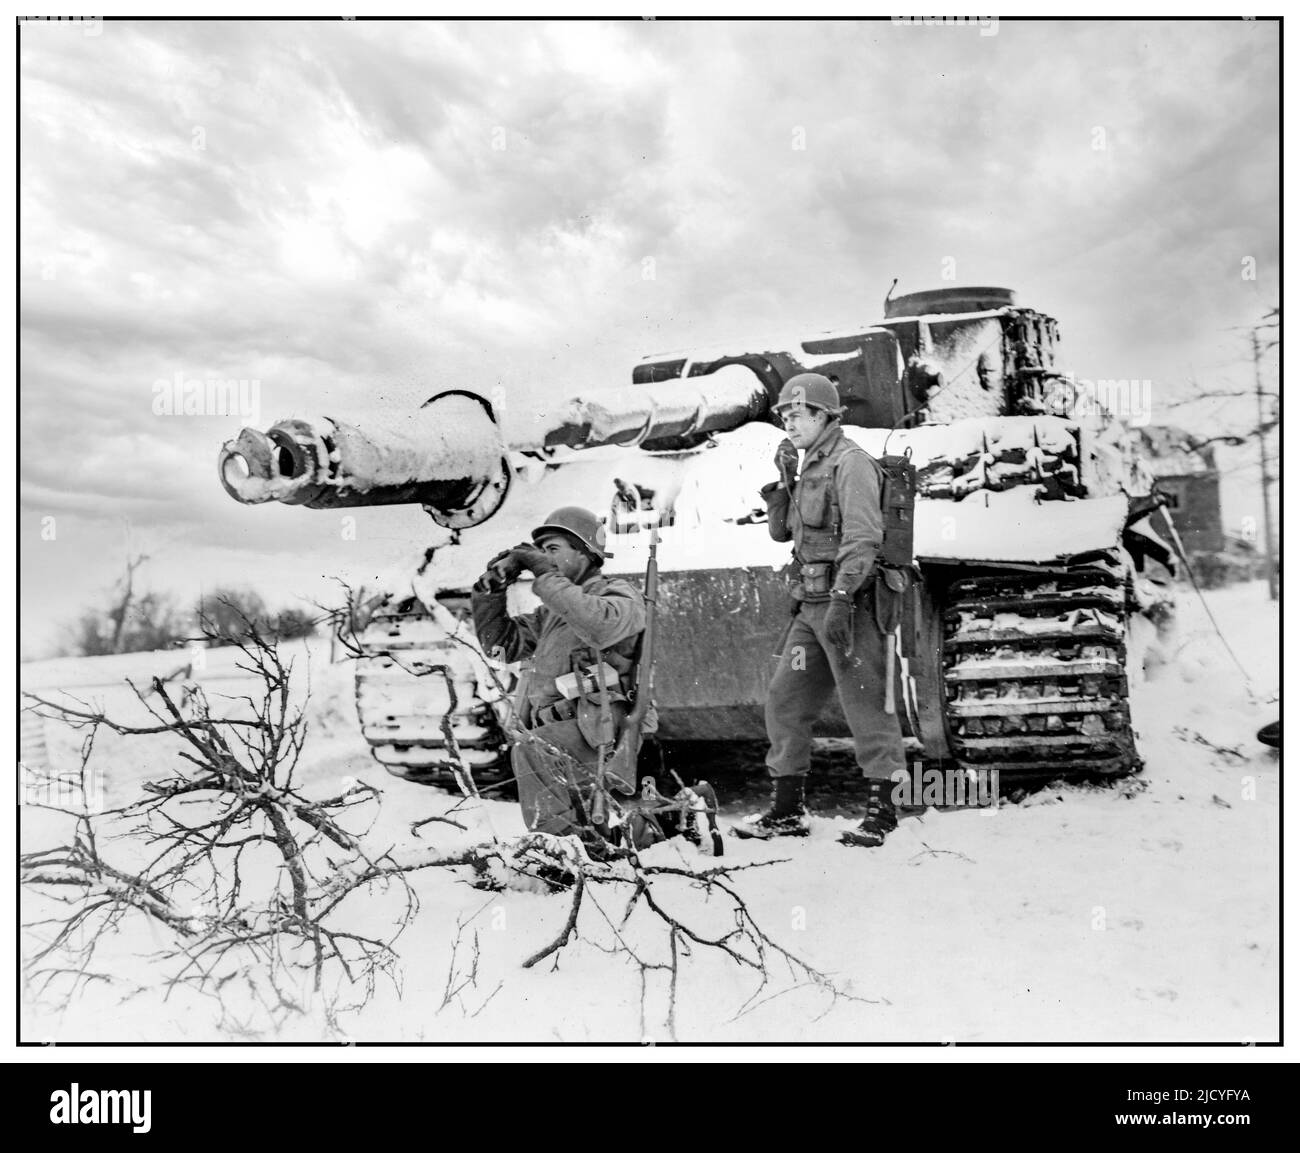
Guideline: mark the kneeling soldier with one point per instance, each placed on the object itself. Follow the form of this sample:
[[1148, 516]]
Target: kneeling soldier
[[568, 719]]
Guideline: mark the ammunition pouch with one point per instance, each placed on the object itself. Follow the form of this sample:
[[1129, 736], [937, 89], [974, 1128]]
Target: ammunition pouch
[[888, 591], [813, 574], [816, 579]]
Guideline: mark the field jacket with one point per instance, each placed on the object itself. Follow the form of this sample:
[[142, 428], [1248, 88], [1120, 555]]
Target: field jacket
[[833, 513], [602, 612]]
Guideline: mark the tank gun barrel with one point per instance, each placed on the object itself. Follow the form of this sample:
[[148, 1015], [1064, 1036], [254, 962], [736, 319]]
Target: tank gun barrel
[[452, 456], [646, 412]]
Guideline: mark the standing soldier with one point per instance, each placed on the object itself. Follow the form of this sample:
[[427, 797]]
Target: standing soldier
[[564, 716], [832, 512]]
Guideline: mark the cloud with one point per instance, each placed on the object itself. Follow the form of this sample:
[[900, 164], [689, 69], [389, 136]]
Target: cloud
[[356, 213]]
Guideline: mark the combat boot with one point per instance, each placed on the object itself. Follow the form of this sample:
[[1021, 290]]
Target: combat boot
[[785, 817], [880, 821]]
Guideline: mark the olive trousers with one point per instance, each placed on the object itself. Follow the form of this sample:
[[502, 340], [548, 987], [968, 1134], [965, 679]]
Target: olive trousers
[[810, 668]]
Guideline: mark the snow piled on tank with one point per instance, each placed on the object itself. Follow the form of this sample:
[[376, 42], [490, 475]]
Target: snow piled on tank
[[642, 411], [1010, 526], [714, 489], [947, 442], [792, 343], [450, 439], [718, 490], [710, 489]]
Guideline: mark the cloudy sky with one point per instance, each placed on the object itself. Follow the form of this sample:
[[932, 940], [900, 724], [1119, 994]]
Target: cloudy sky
[[353, 213]]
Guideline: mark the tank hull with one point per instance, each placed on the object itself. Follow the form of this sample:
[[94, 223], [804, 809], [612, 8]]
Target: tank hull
[[1020, 667]]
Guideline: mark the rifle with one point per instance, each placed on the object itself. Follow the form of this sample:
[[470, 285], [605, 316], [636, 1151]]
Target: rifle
[[622, 761]]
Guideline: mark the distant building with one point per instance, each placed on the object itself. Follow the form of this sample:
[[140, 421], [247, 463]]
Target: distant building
[[1187, 474]]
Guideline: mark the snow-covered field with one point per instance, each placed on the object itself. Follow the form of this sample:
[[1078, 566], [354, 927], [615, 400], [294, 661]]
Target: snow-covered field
[[1144, 912]]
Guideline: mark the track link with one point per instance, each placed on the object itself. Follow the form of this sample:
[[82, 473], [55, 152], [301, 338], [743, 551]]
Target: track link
[[1035, 674], [417, 694]]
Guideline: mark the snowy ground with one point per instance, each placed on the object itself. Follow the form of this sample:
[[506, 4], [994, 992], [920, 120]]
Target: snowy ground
[[1146, 912]]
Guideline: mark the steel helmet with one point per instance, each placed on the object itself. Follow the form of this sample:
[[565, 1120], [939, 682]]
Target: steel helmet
[[583, 526], [812, 390]]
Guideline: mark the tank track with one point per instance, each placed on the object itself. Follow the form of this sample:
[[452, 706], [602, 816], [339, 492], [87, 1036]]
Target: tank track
[[1035, 672], [416, 693]]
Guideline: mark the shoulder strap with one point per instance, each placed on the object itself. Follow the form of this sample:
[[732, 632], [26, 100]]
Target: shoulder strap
[[851, 447]]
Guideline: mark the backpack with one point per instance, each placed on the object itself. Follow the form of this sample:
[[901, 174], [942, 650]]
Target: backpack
[[897, 507]]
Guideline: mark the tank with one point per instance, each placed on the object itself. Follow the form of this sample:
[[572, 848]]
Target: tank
[[1039, 579]]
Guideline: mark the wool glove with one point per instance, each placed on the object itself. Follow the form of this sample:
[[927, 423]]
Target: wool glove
[[530, 557], [839, 623], [787, 462]]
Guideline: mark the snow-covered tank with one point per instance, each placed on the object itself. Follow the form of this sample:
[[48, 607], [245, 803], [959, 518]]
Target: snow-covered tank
[[1030, 538]]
